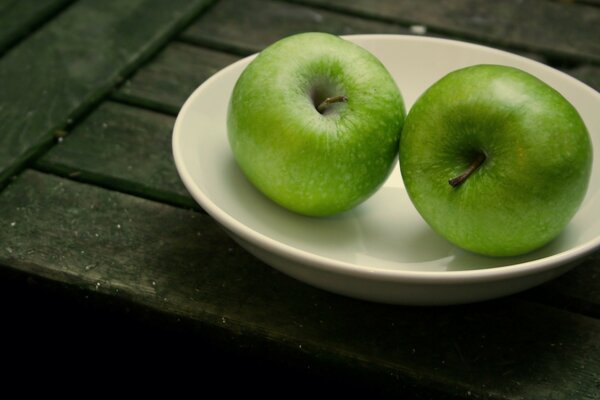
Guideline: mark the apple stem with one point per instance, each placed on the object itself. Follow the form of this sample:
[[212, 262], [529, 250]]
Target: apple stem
[[331, 100], [454, 182]]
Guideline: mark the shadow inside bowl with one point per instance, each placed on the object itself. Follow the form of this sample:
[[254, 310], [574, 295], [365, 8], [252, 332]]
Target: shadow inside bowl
[[383, 232]]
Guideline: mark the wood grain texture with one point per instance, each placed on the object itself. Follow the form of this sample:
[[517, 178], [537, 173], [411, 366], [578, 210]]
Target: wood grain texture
[[577, 290], [167, 80], [74, 60], [181, 263], [246, 27], [556, 29], [18, 17], [263, 22], [588, 74], [124, 148], [129, 149], [589, 2]]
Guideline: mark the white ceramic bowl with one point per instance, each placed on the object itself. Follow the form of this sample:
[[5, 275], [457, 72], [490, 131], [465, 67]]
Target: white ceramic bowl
[[382, 250]]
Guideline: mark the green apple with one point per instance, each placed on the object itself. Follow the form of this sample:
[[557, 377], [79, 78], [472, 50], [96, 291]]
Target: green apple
[[495, 160], [314, 123]]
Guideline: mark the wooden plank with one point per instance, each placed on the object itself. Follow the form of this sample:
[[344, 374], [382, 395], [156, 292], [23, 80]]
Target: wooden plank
[[246, 27], [128, 149], [124, 148], [45, 321], [588, 74], [166, 81], [17, 18], [180, 263], [556, 29], [590, 2], [578, 290], [73, 61]]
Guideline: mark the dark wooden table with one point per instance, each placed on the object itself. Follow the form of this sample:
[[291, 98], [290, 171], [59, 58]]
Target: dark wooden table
[[105, 257]]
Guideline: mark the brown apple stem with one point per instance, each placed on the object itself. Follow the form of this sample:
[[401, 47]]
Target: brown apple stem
[[331, 100], [454, 182]]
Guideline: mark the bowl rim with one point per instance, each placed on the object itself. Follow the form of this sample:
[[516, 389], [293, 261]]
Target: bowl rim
[[312, 260]]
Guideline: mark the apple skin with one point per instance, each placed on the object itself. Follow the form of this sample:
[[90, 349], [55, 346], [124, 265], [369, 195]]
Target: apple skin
[[311, 163], [537, 166]]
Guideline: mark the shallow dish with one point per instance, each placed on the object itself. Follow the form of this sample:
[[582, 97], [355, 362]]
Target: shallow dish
[[382, 250]]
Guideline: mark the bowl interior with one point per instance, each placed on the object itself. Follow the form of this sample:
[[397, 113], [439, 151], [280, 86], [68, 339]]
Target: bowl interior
[[385, 232]]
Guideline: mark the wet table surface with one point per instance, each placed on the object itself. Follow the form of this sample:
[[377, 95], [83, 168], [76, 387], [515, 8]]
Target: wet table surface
[[100, 242]]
